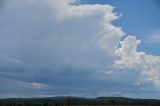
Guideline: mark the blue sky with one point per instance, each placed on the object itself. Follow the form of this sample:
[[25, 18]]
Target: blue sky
[[140, 18], [58, 48]]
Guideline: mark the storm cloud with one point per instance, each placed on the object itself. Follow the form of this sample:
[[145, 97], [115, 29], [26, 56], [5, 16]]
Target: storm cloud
[[51, 48]]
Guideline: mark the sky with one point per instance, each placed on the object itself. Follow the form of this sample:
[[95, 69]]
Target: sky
[[140, 18], [84, 48]]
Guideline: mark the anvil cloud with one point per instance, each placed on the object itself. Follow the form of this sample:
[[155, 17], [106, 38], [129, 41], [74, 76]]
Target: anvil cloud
[[61, 47]]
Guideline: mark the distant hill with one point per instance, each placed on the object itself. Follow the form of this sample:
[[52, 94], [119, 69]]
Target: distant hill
[[68, 101]]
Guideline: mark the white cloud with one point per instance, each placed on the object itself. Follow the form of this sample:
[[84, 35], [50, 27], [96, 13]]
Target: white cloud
[[109, 35], [39, 36], [128, 53], [58, 36], [153, 38], [137, 83], [130, 58], [109, 72], [11, 88], [55, 37], [31, 85], [12, 83]]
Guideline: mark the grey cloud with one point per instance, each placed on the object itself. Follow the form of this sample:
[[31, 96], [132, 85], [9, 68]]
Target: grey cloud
[[60, 45]]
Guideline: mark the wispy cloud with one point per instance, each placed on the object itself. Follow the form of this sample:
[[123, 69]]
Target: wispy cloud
[[153, 38]]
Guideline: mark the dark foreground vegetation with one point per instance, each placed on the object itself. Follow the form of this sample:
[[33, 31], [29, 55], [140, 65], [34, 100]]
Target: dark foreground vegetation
[[76, 101]]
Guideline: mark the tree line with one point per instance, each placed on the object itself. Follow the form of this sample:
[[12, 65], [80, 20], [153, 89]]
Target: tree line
[[72, 101]]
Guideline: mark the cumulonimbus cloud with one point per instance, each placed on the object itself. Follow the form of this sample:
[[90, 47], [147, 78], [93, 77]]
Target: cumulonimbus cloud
[[55, 37]]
